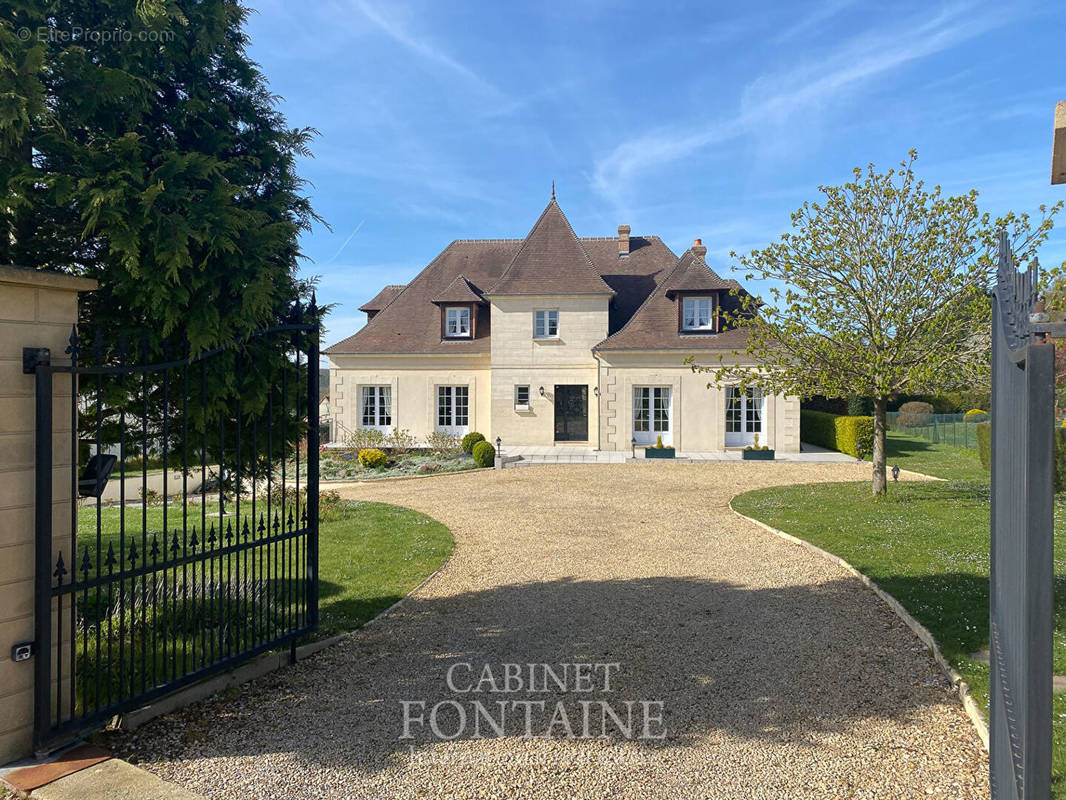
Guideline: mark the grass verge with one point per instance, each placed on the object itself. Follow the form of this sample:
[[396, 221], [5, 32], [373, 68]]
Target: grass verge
[[926, 544]]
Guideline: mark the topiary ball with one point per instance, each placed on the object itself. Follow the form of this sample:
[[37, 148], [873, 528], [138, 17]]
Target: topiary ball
[[484, 454], [372, 458], [470, 440]]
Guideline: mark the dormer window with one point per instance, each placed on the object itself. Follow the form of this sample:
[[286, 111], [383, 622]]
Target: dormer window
[[457, 321], [697, 313]]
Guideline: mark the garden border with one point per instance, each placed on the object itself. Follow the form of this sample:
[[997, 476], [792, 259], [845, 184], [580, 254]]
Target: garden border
[[336, 481], [924, 636]]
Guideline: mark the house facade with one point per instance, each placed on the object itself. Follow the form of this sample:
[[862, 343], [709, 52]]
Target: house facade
[[556, 340]]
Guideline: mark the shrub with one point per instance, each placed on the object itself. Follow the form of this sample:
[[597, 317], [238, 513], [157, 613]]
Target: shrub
[[365, 439], [914, 413], [860, 406], [444, 445], [851, 435], [150, 497], [984, 450], [330, 506], [400, 441], [372, 458], [470, 440], [1059, 459], [484, 454], [984, 443], [975, 415]]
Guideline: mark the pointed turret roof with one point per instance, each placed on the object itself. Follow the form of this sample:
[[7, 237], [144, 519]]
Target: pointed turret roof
[[551, 260], [459, 291]]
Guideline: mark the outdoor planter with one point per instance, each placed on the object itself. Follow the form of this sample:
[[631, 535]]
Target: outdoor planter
[[658, 452], [757, 455]]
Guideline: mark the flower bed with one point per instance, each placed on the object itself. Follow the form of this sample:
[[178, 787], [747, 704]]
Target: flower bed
[[338, 465]]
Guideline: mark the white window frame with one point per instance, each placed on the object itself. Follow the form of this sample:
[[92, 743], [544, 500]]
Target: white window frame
[[544, 320], [518, 404], [458, 314], [652, 414], [375, 407], [694, 321], [453, 410]]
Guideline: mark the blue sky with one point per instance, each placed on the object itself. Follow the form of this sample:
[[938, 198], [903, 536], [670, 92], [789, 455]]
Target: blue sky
[[442, 120]]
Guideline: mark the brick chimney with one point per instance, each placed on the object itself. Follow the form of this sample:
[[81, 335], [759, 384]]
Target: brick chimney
[[698, 248], [623, 241]]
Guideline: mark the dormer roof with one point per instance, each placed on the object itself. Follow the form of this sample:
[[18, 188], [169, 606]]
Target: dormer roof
[[655, 325], [382, 298], [693, 275], [459, 291]]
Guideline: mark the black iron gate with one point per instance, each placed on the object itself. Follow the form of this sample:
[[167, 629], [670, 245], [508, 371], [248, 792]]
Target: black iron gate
[[1022, 516], [194, 517]]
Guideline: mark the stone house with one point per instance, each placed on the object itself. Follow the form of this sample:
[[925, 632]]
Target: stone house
[[555, 340]]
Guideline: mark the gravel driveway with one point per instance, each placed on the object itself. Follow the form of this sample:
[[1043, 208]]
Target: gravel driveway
[[778, 675]]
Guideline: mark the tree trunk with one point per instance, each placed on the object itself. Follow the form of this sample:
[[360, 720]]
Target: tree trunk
[[880, 484]]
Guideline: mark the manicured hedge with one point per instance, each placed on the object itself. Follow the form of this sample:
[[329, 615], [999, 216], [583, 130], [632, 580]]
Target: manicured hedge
[[984, 449], [1059, 457], [984, 443], [851, 435]]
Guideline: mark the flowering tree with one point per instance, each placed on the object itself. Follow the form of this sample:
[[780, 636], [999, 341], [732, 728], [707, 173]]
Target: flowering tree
[[881, 288]]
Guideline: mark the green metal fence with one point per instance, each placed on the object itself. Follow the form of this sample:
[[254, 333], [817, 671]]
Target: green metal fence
[[951, 429]]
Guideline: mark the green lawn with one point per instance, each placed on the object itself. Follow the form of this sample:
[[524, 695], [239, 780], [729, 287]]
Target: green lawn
[[370, 556], [927, 544]]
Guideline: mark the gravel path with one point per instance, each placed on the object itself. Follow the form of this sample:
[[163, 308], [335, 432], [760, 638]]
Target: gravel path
[[779, 675]]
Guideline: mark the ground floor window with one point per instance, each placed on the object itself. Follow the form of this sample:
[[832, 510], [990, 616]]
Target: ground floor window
[[744, 411], [453, 409], [651, 414], [521, 397], [375, 407]]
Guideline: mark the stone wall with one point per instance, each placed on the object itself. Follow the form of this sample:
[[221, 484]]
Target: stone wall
[[37, 309]]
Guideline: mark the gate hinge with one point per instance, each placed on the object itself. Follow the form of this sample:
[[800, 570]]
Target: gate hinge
[[33, 357]]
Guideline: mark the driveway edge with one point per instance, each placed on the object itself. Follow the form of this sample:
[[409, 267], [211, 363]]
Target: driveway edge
[[958, 683]]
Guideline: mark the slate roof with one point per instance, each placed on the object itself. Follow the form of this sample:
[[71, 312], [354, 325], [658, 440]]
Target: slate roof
[[410, 321], [382, 298], [459, 291], [551, 260], [654, 326]]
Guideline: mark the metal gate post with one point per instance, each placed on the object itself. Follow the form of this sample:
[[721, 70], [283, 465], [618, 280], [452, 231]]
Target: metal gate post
[[312, 467], [38, 362]]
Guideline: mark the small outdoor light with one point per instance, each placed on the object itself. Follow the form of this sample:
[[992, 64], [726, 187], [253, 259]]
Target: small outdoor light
[[895, 473], [596, 390], [542, 391], [633, 445], [499, 441], [92, 481]]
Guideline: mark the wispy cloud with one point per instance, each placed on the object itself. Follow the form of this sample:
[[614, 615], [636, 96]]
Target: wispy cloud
[[420, 45], [779, 97], [822, 14]]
